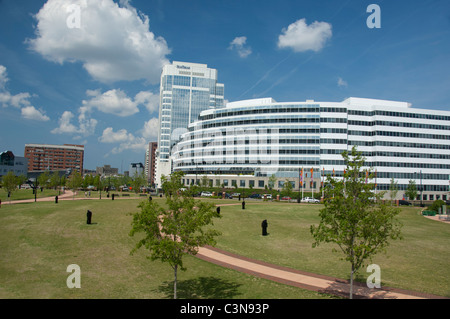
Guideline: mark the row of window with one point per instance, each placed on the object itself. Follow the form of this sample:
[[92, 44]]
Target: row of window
[[399, 134], [253, 111], [316, 109], [400, 124], [307, 185], [427, 116], [400, 144]]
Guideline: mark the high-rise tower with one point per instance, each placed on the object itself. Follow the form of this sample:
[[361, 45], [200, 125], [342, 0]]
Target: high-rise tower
[[186, 89]]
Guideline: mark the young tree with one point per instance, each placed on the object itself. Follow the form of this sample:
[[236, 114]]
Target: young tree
[[272, 181], [287, 189], [54, 180], [411, 190], [21, 179], [138, 181], [393, 189], [9, 182], [355, 218], [74, 181], [171, 233], [44, 179]]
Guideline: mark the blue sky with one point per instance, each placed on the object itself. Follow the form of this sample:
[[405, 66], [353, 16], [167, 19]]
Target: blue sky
[[95, 80]]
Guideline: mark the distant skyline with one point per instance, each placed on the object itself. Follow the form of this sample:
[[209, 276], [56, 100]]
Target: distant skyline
[[87, 72]]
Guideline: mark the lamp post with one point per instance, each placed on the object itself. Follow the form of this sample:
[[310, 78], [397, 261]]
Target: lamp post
[[421, 189]]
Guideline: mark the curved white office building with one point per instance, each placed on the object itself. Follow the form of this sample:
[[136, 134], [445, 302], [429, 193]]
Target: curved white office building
[[246, 142]]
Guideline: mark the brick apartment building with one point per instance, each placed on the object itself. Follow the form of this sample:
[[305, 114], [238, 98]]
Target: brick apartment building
[[54, 157], [150, 162]]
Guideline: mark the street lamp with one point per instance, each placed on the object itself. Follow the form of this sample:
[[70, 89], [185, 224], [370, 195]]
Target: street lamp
[[421, 189]]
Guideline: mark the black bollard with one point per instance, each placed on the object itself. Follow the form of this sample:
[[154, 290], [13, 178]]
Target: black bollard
[[218, 210], [150, 198], [243, 204], [89, 217], [264, 227], [112, 197], [56, 199]]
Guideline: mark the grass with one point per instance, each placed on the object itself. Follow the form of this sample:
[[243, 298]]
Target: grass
[[20, 194], [39, 240], [417, 262]]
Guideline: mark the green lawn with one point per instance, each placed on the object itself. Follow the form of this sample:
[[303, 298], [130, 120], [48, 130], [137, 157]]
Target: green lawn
[[25, 194], [39, 240], [420, 261]]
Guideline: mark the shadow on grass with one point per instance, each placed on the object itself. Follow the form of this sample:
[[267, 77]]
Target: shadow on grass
[[201, 288]]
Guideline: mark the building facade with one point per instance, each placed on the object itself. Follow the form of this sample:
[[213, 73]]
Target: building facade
[[43, 157], [186, 89], [247, 142], [11, 163], [150, 162], [107, 170], [136, 169]]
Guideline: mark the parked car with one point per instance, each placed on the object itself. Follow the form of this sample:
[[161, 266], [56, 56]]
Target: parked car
[[255, 196], [310, 200], [228, 196], [268, 196], [404, 202], [235, 194], [207, 194], [285, 198]]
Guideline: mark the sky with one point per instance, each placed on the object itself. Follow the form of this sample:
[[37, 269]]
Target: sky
[[87, 71]]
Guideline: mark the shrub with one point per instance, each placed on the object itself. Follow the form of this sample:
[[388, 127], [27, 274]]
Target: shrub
[[436, 205]]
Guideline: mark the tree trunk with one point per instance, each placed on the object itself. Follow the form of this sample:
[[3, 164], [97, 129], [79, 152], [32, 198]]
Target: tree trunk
[[351, 283], [175, 282]]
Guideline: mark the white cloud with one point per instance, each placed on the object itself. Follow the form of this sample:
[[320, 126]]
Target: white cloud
[[149, 99], [113, 41], [238, 44], [117, 102], [151, 128], [302, 37], [3, 77], [30, 113], [20, 100], [86, 125], [128, 141], [64, 124], [342, 83], [109, 136], [113, 102]]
